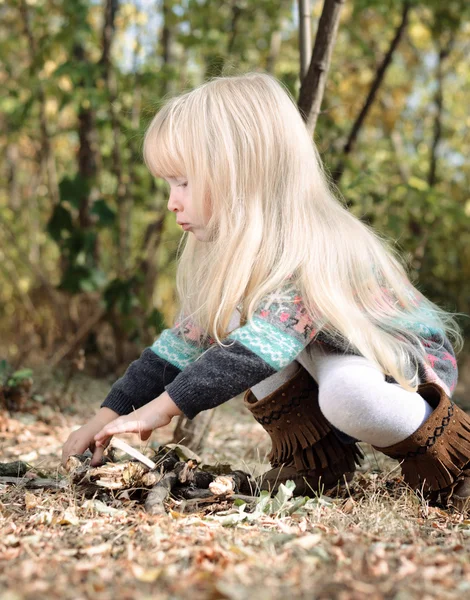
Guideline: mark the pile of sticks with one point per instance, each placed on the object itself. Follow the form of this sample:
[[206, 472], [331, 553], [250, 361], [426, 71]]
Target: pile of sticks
[[169, 473]]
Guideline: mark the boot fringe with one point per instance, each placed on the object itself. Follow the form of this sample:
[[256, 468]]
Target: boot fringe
[[302, 447], [300, 434], [435, 456], [442, 464]]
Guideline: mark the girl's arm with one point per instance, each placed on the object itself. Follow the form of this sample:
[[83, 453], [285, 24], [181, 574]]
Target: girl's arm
[[158, 365], [278, 332]]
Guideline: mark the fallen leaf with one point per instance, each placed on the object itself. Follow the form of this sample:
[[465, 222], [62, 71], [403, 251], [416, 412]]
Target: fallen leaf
[[31, 500], [146, 575], [306, 541]]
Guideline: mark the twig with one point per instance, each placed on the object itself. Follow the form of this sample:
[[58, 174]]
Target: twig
[[77, 338], [154, 504], [37, 483]]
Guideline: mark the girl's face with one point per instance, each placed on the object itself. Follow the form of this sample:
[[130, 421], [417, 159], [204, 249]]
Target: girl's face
[[180, 202]]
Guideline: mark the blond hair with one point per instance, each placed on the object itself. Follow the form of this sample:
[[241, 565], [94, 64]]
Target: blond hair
[[241, 142]]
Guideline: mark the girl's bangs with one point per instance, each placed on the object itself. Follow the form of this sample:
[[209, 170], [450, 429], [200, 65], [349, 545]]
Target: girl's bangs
[[161, 151]]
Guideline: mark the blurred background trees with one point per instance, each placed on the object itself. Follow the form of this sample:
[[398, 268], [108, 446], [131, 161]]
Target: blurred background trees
[[87, 249]]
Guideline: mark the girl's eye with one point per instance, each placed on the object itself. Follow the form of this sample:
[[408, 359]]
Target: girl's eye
[[185, 184]]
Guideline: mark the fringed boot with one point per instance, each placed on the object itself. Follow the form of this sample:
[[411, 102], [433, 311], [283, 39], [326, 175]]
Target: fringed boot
[[305, 448], [436, 457]]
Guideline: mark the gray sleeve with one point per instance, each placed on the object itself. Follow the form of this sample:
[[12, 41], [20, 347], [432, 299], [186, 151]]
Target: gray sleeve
[[144, 380], [217, 376]]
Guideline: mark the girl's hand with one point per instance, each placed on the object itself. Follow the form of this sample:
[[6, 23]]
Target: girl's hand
[[143, 421], [78, 441]]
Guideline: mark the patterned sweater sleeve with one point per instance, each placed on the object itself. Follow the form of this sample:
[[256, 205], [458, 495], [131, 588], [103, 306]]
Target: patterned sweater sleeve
[[158, 365], [279, 330], [440, 364]]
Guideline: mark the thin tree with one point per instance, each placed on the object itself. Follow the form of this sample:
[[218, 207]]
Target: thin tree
[[313, 84], [305, 36], [376, 83]]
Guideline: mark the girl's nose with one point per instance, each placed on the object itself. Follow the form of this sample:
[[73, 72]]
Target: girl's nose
[[173, 204]]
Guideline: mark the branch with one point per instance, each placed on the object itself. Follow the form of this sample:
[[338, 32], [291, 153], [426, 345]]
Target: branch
[[380, 74]]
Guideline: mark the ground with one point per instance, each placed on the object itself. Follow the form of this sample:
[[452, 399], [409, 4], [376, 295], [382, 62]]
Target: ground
[[377, 541]]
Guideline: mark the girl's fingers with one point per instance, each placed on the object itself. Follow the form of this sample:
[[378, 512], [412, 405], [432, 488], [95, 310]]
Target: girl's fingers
[[97, 457], [123, 427]]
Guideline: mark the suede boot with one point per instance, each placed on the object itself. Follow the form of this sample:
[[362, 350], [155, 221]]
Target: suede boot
[[305, 448], [436, 457]]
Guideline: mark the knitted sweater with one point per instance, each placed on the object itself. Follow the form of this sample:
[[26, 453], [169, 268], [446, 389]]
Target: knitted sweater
[[199, 374]]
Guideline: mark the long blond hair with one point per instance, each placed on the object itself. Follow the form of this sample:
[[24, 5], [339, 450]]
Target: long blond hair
[[242, 144]]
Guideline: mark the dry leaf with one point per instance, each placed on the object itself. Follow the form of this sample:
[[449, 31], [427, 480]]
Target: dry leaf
[[31, 500], [68, 518], [305, 541], [147, 575]]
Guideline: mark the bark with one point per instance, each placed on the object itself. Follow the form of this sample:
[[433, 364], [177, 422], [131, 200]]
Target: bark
[[378, 79], [37, 483], [88, 156], [305, 36], [313, 84], [155, 503]]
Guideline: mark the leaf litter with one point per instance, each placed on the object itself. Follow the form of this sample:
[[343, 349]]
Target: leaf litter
[[376, 540]]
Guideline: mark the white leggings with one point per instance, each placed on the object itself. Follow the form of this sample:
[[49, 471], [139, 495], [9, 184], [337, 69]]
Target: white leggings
[[355, 398]]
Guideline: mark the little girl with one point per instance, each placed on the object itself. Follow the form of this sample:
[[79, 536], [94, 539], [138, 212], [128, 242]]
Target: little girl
[[286, 295]]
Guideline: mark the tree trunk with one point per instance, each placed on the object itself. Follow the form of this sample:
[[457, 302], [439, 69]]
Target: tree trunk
[[313, 84], [305, 36]]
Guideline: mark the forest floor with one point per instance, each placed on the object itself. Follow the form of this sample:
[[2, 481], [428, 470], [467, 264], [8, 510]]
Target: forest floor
[[377, 541]]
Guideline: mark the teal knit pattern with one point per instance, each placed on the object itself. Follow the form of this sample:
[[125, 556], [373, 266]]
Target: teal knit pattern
[[173, 348], [273, 345], [281, 328]]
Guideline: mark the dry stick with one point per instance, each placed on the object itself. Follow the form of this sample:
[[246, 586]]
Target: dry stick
[[380, 74], [37, 483], [154, 504], [313, 84], [77, 338]]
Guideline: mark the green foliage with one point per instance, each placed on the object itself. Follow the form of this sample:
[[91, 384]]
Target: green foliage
[[91, 234], [281, 505], [11, 378]]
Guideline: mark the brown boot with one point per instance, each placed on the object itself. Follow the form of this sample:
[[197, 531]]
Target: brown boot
[[305, 448], [436, 457]]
